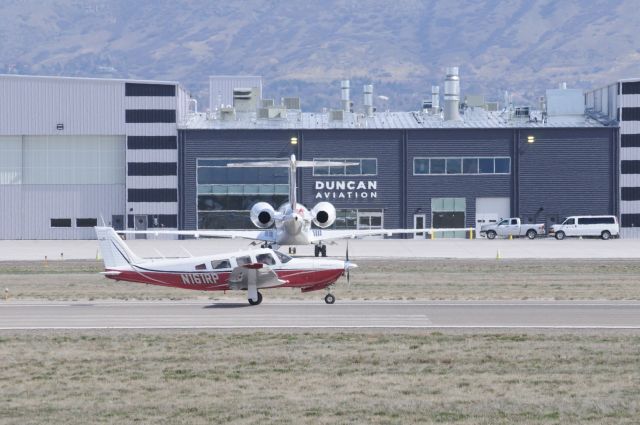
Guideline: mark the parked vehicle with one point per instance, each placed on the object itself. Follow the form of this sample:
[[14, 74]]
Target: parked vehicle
[[512, 227], [603, 226]]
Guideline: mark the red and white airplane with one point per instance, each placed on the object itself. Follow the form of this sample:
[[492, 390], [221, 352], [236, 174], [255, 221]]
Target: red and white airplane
[[243, 270]]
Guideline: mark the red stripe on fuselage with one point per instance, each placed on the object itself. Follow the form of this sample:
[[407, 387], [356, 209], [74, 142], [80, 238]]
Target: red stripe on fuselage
[[212, 281]]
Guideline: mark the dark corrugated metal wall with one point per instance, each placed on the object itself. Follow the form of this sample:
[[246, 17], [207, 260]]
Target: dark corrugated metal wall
[[566, 171]]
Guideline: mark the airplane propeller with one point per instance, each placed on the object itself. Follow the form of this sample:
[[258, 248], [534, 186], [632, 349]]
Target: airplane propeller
[[347, 265]]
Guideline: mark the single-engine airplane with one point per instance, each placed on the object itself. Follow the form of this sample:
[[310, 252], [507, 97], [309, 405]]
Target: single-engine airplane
[[244, 270], [292, 221]]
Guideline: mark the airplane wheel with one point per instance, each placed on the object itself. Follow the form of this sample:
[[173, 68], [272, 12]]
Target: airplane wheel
[[289, 250], [329, 299], [295, 250], [324, 250], [258, 301], [316, 250]]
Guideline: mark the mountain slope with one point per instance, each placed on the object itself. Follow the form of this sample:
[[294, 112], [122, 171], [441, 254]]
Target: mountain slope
[[304, 48]]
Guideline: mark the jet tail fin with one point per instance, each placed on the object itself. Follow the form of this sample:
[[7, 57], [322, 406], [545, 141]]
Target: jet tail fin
[[115, 252]]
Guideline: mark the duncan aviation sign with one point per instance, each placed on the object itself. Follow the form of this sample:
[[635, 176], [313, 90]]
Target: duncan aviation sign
[[346, 189]]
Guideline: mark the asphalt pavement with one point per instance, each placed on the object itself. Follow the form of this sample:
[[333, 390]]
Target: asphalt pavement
[[22, 315], [544, 248]]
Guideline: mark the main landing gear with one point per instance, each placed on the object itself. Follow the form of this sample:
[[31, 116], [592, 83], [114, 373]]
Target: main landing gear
[[257, 301], [329, 298], [320, 249], [266, 245]]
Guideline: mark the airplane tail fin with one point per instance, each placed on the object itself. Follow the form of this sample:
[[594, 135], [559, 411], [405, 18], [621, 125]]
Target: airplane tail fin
[[115, 252]]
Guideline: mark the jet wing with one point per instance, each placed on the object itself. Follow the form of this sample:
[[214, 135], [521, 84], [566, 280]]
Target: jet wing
[[257, 235], [265, 277], [326, 235]]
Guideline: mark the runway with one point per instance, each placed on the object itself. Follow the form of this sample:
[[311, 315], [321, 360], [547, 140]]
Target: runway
[[314, 315]]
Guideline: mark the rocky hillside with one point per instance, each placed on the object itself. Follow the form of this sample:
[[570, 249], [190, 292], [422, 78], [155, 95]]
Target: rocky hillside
[[305, 48]]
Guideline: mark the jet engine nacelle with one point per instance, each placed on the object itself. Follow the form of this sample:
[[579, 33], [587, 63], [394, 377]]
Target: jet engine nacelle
[[262, 215], [324, 214]]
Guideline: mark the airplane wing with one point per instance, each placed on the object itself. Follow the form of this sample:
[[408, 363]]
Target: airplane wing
[[326, 235], [257, 235], [265, 277]]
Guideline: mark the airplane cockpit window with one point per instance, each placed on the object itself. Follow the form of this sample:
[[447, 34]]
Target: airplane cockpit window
[[220, 264], [283, 257], [243, 260], [201, 266], [265, 258]]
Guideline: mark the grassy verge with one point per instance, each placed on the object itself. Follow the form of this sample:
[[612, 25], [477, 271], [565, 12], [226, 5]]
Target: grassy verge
[[374, 280], [218, 377]]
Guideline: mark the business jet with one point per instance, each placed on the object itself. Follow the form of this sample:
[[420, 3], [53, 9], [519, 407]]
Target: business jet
[[291, 223], [244, 270]]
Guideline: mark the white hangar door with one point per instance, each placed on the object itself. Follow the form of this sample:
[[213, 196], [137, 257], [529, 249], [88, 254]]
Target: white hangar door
[[490, 210]]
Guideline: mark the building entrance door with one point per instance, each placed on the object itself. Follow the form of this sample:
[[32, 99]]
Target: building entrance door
[[369, 220], [419, 222], [491, 210], [117, 221], [140, 223]]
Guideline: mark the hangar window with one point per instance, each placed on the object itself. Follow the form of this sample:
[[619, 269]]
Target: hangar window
[[464, 165], [421, 166], [356, 167], [454, 166], [486, 165], [470, 166], [226, 194], [438, 165], [86, 222], [60, 222], [502, 165]]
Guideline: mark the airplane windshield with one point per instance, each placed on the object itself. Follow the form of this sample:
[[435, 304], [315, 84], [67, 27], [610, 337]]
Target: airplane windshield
[[283, 258]]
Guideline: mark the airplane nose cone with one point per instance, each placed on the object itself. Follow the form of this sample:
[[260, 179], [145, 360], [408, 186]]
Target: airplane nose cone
[[348, 265]]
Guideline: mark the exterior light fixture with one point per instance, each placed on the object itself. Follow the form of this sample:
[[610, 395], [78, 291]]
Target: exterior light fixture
[[294, 140], [531, 139]]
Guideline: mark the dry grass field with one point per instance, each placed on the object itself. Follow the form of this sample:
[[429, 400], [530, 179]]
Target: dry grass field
[[374, 280], [319, 378], [378, 377]]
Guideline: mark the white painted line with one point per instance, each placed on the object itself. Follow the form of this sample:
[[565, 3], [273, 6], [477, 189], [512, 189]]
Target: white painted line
[[488, 303], [570, 327]]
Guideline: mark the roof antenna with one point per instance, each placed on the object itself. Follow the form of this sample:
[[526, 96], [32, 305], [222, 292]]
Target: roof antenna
[[159, 253], [185, 250]]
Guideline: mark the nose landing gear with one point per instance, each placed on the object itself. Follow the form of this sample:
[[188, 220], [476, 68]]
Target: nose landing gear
[[292, 250], [320, 249]]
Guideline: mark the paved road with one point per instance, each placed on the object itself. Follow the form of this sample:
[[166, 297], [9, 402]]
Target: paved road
[[202, 315], [371, 248]]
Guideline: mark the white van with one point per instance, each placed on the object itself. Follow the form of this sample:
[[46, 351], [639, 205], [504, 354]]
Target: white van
[[604, 226]]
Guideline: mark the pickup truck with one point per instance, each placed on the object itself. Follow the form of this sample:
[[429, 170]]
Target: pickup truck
[[512, 227]]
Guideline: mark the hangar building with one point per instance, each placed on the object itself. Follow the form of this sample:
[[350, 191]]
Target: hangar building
[[75, 151]]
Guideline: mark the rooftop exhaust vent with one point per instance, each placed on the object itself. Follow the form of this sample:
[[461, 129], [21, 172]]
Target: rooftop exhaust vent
[[291, 102], [336, 115], [452, 95], [346, 101], [246, 99], [368, 100]]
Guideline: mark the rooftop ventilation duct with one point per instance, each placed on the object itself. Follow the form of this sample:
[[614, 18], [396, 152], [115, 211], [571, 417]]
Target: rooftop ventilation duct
[[291, 102], [346, 101], [452, 95], [435, 99], [246, 99], [368, 100]]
